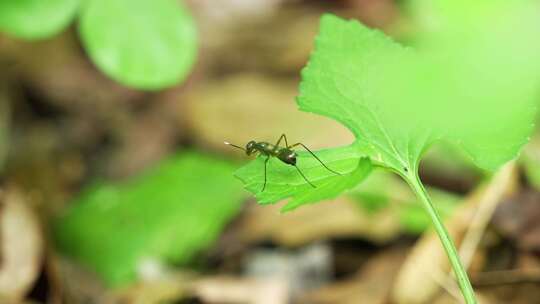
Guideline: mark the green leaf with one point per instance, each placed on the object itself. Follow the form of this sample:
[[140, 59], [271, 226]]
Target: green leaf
[[166, 215], [398, 101], [146, 44], [36, 19], [284, 181]]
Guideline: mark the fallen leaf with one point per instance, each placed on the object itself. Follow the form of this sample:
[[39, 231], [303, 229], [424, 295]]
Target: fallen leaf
[[170, 288], [275, 39], [518, 218], [21, 246], [57, 69], [223, 290], [262, 106], [339, 218]]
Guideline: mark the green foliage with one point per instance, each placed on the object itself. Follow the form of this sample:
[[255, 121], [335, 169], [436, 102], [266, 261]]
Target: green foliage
[[167, 214], [144, 44], [36, 19], [284, 181]]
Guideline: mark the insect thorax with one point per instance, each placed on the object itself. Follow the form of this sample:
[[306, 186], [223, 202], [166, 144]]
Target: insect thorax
[[266, 148]]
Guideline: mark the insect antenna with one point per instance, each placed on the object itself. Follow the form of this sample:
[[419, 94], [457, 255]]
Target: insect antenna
[[233, 145], [312, 185]]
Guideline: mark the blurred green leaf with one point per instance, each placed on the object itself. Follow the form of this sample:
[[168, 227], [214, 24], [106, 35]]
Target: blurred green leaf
[[413, 217], [383, 191], [284, 181], [434, 17], [36, 19], [168, 214], [146, 44]]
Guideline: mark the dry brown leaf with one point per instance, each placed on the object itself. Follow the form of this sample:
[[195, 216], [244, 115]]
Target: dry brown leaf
[[250, 106], [211, 289], [143, 140], [329, 219], [72, 283], [231, 290], [21, 246], [272, 39], [59, 69], [223, 12], [518, 219], [82, 286], [167, 288], [375, 13]]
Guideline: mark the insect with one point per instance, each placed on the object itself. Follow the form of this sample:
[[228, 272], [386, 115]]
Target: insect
[[285, 154]]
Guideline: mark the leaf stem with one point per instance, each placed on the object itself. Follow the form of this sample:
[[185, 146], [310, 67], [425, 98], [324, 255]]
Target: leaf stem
[[463, 280]]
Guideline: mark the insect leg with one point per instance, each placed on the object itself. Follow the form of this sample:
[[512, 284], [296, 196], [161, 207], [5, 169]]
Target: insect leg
[[312, 185], [283, 136], [317, 158], [265, 163]]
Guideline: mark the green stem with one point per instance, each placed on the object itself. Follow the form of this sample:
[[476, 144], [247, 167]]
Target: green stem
[[451, 252]]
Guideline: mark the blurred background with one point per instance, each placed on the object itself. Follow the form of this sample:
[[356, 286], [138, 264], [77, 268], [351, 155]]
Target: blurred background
[[116, 187]]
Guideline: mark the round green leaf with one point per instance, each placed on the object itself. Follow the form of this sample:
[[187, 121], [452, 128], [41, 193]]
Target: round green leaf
[[36, 19], [166, 215], [143, 44]]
